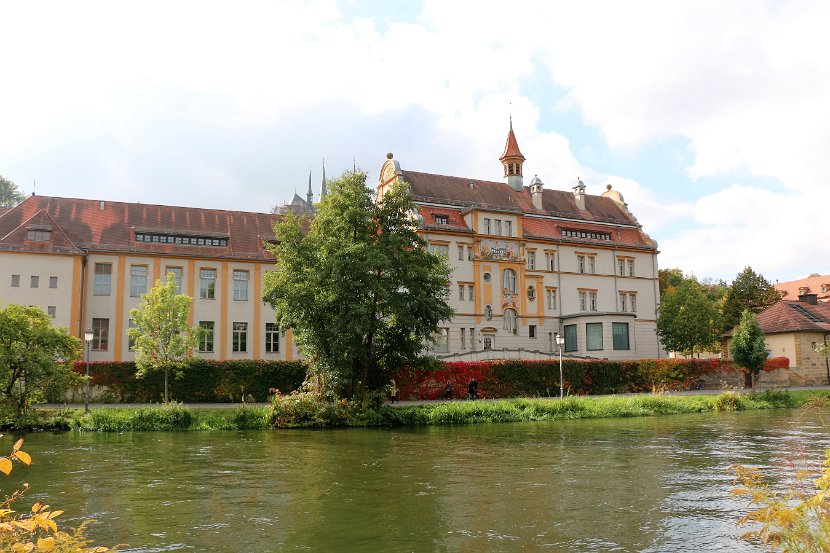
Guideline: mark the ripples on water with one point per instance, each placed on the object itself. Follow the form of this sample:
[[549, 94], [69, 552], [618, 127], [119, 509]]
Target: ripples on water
[[640, 484]]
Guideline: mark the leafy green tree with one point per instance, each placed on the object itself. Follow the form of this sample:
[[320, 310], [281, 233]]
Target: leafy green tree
[[161, 337], [688, 319], [10, 195], [35, 357], [358, 288], [749, 290], [749, 350], [669, 279]]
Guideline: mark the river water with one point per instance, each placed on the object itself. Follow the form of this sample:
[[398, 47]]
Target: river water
[[640, 484]]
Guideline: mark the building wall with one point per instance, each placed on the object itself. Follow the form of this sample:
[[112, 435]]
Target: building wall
[[62, 298]]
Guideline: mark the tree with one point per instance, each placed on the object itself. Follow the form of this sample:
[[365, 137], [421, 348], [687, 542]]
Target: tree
[[749, 290], [749, 350], [688, 319], [669, 279], [161, 336], [358, 288], [35, 357], [10, 195]]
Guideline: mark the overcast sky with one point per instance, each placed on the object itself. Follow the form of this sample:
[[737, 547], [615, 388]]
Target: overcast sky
[[711, 118]]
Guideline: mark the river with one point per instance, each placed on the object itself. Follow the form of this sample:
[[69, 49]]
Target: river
[[641, 484]]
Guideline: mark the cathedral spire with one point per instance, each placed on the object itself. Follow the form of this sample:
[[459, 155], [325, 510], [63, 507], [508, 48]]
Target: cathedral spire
[[309, 196], [512, 160], [323, 186]]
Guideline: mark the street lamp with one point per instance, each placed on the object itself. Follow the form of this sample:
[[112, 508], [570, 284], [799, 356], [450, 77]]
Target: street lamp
[[560, 341], [88, 339]]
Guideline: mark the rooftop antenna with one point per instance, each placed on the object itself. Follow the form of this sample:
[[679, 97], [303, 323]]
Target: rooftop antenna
[[354, 164]]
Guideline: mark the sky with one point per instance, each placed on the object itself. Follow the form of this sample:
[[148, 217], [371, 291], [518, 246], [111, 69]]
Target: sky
[[712, 119]]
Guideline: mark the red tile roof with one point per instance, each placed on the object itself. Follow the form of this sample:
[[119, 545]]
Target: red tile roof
[[471, 193], [549, 229], [111, 227], [794, 316], [819, 285], [455, 218]]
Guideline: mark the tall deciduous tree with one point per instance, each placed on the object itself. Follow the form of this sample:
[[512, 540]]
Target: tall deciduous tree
[[359, 289], [749, 290], [689, 318], [34, 356], [161, 337], [749, 350], [10, 195]]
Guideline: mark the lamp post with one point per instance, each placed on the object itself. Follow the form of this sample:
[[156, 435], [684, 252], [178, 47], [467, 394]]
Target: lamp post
[[560, 341], [88, 339]]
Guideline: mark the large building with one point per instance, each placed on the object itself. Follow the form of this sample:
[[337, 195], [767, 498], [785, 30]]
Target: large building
[[530, 263], [87, 263]]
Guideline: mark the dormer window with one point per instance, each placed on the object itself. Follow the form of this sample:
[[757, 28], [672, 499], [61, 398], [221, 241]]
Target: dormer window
[[442, 220], [39, 233]]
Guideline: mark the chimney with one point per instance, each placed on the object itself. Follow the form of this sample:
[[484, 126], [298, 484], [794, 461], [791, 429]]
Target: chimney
[[536, 186], [811, 299], [579, 194]]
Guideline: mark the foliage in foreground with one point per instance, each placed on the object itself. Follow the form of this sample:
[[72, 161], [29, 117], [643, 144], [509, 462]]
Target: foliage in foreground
[[36, 531], [796, 520]]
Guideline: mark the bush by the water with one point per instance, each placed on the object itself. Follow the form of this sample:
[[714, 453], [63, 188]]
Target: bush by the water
[[204, 381], [525, 378]]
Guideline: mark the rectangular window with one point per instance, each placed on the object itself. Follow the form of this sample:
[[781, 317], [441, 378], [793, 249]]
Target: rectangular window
[[100, 334], [461, 253], [620, 333], [15, 281], [580, 263], [623, 302], [206, 336], [531, 261], [592, 264], [103, 278], [471, 294], [508, 228], [592, 301], [488, 342], [443, 249], [497, 224], [207, 287], [632, 302], [138, 280], [463, 339], [531, 331], [52, 311], [272, 338], [550, 298], [39, 235], [550, 261], [130, 339], [460, 292], [53, 282], [570, 338], [583, 301], [630, 263], [35, 281], [240, 285], [621, 267], [593, 336], [442, 220], [442, 341], [177, 275], [240, 337], [469, 253], [486, 225]]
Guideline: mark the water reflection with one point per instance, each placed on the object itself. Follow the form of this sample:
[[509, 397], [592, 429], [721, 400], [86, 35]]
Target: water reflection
[[644, 484]]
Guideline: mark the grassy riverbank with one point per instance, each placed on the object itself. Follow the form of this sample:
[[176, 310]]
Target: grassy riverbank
[[304, 412]]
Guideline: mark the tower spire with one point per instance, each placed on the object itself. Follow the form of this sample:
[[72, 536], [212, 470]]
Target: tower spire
[[512, 160], [309, 196], [323, 186]]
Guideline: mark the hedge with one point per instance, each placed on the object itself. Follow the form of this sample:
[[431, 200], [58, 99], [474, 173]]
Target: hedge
[[526, 378], [204, 381]]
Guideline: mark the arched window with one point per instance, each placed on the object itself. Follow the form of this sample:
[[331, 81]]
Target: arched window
[[488, 312], [510, 321], [508, 280]]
